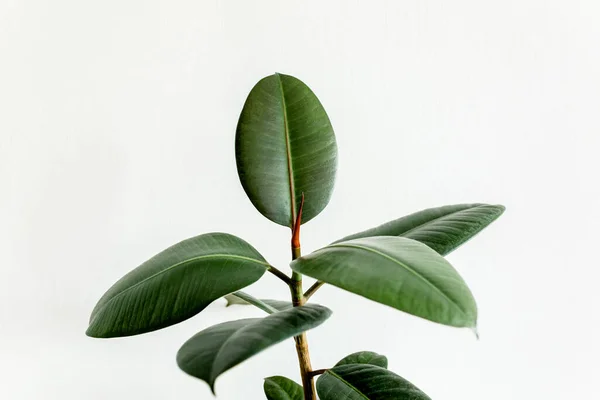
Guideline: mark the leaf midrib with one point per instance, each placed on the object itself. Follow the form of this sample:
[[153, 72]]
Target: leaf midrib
[[438, 218], [175, 266], [282, 315], [347, 384], [213, 378], [406, 267], [231, 338], [288, 397], [288, 152]]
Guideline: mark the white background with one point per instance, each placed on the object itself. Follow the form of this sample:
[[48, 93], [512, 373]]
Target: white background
[[117, 122]]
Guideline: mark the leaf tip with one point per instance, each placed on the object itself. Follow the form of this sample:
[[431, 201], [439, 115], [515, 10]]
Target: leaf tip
[[90, 332]]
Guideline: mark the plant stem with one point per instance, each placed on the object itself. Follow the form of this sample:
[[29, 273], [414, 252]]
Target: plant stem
[[296, 277], [302, 345], [305, 368], [279, 274], [298, 300], [311, 290], [317, 372], [296, 253]]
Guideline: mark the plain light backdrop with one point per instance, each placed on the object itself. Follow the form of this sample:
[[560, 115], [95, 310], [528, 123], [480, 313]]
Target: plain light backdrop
[[117, 123]]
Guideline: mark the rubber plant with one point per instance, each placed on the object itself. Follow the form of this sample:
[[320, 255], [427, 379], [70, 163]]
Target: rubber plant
[[286, 156]]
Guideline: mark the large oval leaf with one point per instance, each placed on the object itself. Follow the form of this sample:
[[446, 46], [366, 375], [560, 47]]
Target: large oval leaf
[[365, 382], [176, 284], [443, 229], [285, 146], [364, 357], [215, 350], [282, 388], [399, 272]]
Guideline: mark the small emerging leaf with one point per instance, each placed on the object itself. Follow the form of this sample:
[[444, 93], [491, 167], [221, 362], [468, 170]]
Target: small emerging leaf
[[364, 357], [176, 284], [213, 351], [282, 388], [443, 229], [399, 272], [234, 299], [365, 382]]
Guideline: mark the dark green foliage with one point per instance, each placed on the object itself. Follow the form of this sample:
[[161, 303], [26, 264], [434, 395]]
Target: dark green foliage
[[281, 388], [284, 147], [176, 284], [213, 351], [365, 381], [443, 229], [364, 357], [398, 272], [286, 156]]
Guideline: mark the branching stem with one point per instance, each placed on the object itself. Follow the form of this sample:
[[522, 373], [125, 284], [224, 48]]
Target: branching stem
[[317, 372], [311, 290], [280, 275]]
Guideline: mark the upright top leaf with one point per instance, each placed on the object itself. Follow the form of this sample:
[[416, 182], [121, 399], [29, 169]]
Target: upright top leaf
[[285, 146]]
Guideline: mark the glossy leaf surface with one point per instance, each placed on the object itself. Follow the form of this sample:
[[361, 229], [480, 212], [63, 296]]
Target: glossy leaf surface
[[176, 284], [281, 388], [365, 382], [213, 351], [443, 229], [285, 146], [396, 271], [364, 357]]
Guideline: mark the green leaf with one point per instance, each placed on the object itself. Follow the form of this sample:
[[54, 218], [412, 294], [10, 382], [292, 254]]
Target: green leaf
[[285, 146], [364, 381], [176, 284], [399, 272], [268, 305], [364, 357], [215, 350], [282, 388], [443, 229]]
